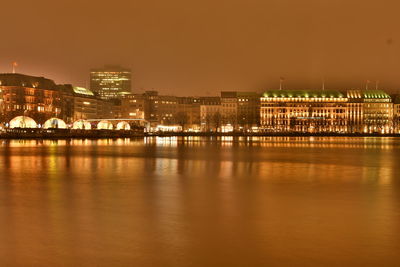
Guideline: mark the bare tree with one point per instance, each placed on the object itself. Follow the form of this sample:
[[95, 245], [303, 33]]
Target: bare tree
[[182, 119], [217, 120], [208, 121]]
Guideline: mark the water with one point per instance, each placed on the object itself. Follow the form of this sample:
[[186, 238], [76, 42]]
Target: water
[[200, 202]]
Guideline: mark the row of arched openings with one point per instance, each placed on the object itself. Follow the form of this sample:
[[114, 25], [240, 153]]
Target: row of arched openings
[[55, 123]]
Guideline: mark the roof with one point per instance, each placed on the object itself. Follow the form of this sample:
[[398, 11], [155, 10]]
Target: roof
[[82, 91], [304, 93], [375, 94], [111, 68], [17, 79]]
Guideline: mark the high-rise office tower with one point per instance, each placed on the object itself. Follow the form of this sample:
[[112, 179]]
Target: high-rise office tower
[[110, 81]]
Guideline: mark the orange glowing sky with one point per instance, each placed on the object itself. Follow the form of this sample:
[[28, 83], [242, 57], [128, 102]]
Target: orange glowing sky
[[202, 47]]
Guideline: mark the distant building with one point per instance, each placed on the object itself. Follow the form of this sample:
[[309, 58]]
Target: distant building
[[210, 114], [229, 108], [370, 111], [110, 82], [166, 108], [24, 95], [353, 111], [155, 108], [78, 103], [248, 110], [396, 113], [133, 106], [241, 110], [188, 113], [160, 109]]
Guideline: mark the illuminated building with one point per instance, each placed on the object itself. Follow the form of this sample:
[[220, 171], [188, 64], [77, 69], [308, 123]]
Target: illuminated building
[[166, 109], [154, 108], [188, 113], [110, 81], [210, 114], [133, 106], [396, 113], [248, 110], [303, 111], [160, 109], [353, 111], [370, 111], [241, 110], [23, 95], [78, 103], [229, 106]]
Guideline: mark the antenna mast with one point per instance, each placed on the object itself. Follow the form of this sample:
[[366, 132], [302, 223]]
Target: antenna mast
[[14, 66], [280, 83], [366, 84]]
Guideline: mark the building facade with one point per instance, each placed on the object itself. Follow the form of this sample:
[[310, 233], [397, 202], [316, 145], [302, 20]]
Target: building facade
[[133, 106], [188, 113], [210, 114], [229, 108], [351, 111], [23, 95], [248, 110], [110, 82], [241, 110]]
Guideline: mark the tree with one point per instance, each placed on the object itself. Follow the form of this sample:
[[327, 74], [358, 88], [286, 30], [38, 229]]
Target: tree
[[208, 121], [217, 120], [182, 119], [243, 120]]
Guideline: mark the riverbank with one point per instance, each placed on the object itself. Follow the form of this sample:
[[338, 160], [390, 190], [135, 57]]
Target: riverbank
[[68, 134], [294, 134], [103, 134]]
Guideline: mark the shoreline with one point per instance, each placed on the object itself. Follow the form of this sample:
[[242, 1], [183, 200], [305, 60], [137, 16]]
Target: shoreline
[[112, 134]]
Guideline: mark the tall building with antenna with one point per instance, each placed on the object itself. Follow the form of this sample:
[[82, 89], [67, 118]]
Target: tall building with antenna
[[110, 81]]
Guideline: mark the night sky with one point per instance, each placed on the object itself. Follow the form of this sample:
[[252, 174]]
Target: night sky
[[202, 47]]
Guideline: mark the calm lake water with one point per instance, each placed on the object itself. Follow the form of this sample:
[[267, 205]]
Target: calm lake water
[[201, 202]]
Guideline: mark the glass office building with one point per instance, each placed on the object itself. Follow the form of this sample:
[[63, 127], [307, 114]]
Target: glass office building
[[110, 82]]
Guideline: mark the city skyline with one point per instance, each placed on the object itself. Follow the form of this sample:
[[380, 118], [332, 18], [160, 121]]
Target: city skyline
[[208, 47], [43, 102], [281, 84], [208, 133]]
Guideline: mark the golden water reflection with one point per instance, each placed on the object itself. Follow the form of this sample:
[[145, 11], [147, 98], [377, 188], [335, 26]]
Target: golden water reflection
[[264, 201]]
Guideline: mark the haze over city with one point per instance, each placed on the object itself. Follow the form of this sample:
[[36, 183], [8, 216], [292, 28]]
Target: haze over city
[[203, 47], [201, 133]]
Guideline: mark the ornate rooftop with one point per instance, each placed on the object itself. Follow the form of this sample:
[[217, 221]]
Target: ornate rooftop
[[304, 93]]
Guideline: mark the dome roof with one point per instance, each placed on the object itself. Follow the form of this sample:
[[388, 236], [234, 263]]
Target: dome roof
[[55, 123], [23, 122]]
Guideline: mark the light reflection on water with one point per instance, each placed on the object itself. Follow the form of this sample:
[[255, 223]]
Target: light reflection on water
[[192, 201]]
